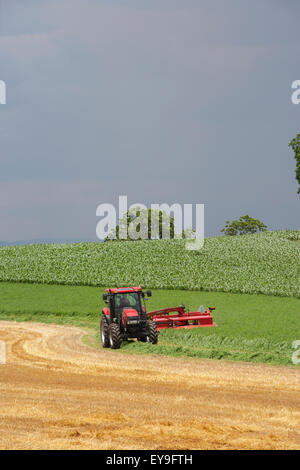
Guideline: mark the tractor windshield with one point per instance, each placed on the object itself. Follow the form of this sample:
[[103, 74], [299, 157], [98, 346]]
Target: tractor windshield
[[131, 300]]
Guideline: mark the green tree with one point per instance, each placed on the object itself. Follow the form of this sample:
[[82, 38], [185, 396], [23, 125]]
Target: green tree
[[295, 145], [140, 220], [244, 226]]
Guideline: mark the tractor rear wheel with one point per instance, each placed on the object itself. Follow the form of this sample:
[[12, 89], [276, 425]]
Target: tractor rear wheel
[[114, 335], [152, 336], [104, 332]]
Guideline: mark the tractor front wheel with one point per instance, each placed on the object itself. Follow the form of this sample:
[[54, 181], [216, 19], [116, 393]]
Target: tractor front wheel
[[104, 332], [114, 336], [152, 336]]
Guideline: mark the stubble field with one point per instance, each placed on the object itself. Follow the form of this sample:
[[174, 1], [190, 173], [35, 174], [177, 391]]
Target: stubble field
[[58, 393]]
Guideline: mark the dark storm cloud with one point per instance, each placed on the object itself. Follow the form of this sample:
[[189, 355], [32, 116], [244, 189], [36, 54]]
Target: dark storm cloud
[[163, 101]]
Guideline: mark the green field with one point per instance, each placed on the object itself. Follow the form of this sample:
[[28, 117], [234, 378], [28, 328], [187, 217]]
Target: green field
[[56, 283], [265, 263], [252, 328]]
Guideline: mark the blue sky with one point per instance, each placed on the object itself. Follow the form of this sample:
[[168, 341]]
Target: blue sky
[[164, 101]]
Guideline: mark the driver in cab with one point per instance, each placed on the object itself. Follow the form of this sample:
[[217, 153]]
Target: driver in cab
[[124, 302]]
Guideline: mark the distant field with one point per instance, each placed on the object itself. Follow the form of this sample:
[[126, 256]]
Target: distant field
[[252, 328], [267, 263]]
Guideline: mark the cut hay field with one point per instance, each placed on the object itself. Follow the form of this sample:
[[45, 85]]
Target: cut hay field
[[266, 263], [57, 393]]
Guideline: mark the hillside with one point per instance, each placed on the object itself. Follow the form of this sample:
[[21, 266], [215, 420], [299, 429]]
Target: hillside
[[266, 263]]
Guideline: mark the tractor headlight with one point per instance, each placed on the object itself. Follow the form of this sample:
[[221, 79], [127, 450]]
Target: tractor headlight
[[132, 322]]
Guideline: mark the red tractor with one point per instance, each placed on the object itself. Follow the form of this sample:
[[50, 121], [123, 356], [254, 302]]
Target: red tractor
[[125, 317]]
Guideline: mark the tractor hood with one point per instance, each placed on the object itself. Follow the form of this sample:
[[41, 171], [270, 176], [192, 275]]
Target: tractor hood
[[130, 312], [130, 315]]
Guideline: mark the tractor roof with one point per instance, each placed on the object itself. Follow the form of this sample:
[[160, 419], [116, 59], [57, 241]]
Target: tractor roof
[[123, 290]]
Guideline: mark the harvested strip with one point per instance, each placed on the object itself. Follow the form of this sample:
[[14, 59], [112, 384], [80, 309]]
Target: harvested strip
[[57, 393]]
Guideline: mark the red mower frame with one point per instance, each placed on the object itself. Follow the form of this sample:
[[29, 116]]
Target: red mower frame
[[182, 319]]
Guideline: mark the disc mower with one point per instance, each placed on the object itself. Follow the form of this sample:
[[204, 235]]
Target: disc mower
[[182, 319], [125, 317]]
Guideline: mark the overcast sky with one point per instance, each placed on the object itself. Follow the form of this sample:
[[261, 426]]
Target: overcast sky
[[184, 101]]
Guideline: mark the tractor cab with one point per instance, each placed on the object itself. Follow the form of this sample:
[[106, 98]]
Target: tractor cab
[[130, 300], [121, 299]]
